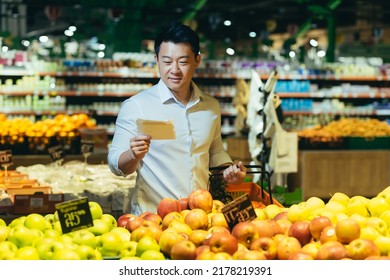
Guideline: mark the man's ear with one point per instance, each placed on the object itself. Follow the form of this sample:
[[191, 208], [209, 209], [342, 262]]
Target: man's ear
[[198, 59]]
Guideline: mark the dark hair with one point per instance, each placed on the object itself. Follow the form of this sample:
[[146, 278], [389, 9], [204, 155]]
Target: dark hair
[[178, 33]]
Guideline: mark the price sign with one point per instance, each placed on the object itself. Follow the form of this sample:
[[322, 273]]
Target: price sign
[[74, 215], [239, 210], [56, 153], [87, 146], [6, 157]]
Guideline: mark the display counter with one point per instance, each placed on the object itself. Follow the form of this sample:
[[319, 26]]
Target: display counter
[[353, 172]]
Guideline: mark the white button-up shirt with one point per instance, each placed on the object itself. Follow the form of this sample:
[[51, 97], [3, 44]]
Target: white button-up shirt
[[171, 168]]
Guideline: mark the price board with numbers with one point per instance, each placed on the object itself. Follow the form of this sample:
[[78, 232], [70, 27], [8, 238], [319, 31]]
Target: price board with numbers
[[56, 153], [239, 210], [87, 146], [74, 214], [6, 157]]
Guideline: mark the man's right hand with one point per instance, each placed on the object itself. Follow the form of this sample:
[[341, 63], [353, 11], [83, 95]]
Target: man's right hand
[[140, 145]]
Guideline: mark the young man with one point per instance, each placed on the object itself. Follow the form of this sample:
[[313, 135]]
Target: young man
[[171, 168]]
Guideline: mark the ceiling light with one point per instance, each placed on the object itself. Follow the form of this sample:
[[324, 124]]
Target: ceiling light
[[291, 54], [227, 22], [72, 28], [252, 34], [230, 51], [43, 39], [313, 43], [68, 33], [321, 53]]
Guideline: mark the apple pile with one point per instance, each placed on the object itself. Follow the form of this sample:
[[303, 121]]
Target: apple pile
[[194, 228]]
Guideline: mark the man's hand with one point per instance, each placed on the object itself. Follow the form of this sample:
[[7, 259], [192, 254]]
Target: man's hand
[[235, 174], [140, 145]]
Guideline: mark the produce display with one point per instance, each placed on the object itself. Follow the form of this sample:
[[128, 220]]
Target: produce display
[[349, 127], [24, 136], [195, 228]]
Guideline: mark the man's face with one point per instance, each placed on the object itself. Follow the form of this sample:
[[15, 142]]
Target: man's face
[[177, 64]]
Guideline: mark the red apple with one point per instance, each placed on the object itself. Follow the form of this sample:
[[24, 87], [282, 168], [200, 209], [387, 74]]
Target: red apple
[[245, 232], [300, 256], [155, 218], [276, 228], [347, 230], [249, 255], [280, 215], [183, 203], [133, 223], [287, 247], [331, 250], [360, 249], [301, 231], [202, 249], [201, 198], [263, 227], [183, 250], [167, 205], [317, 224], [328, 234], [122, 220], [266, 245], [223, 242], [170, 217], [197, 236], [197, 219]]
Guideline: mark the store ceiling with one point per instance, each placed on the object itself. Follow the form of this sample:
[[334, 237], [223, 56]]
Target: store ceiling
[[263, 17]]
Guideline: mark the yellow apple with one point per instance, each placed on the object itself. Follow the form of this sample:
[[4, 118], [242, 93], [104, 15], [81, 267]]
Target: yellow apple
[[340, 197], [272, 210], [383, 243], [261, 214], [314, 202], [378, 224], [357, 206], [336, 206], [297, 213], [377, 205], [181, 227], [369, 233], [385, 216]]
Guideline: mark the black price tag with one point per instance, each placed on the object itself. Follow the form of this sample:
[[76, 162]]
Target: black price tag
[[56, 153], [87, 146], [6, 157], [74, 214], [239, 210]]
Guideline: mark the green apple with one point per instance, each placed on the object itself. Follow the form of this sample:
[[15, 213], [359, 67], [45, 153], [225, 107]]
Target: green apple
[[35, 221], [87, 252], [21, 236], [109, 244], [17, 221], [66, 254], [124, 234], [152, 255], [3, 232], [129, 249], [7, 250], [131, 258], [110, 220], [57, 226], [146, 243], [84, 237], [2, 222], [99, 227], [51, 232], [48, 247], [50, 219], [27, 253], [96, 210]]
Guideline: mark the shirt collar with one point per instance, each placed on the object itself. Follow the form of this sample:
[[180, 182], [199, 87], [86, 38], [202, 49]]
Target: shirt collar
[[166, 94]]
